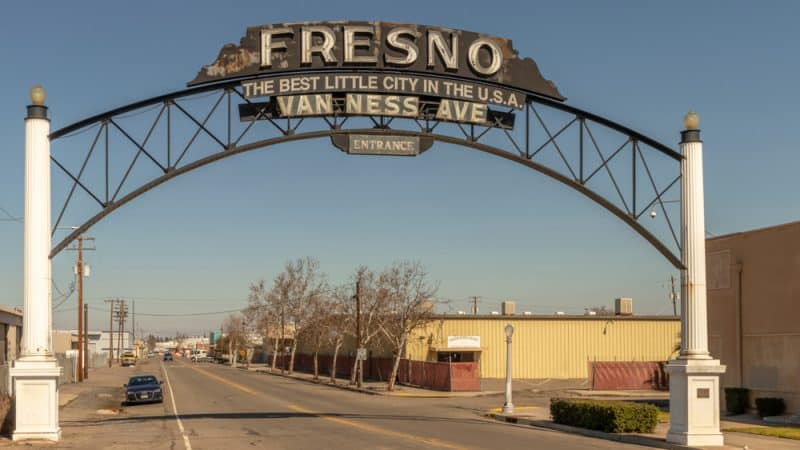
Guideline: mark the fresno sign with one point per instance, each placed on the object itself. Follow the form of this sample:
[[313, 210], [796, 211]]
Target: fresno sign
[[378, 69], [377, 46]]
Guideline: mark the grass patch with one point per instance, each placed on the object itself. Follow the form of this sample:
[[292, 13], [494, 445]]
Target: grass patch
[[781, 432]]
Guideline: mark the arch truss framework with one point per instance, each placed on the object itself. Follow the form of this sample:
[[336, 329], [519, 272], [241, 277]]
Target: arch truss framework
[[632, 176]]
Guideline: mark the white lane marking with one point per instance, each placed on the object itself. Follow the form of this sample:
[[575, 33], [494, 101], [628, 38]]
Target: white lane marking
[[186, 442]]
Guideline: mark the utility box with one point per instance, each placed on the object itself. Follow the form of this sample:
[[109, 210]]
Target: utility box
[[509, 308], [623, 306]]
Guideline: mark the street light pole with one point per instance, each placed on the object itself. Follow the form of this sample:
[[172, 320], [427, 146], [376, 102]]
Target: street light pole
[[508, 407]]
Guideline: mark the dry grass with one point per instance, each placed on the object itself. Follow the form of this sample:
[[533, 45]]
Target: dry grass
[[781, 432]]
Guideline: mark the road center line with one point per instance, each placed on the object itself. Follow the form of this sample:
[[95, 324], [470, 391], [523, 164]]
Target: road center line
[[378, 430], [186, 442], [350, 423]]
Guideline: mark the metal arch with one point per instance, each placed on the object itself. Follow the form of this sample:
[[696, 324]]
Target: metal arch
[[532, 97], [327, 133], [288, 134]]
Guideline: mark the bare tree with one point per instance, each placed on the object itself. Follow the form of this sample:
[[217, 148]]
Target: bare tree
[[262, 315], [409, 301], [236, 339], [373, 307], [151, 342], [180, 339], [340, 322], [306, 287], [315, 331], [277, 300]]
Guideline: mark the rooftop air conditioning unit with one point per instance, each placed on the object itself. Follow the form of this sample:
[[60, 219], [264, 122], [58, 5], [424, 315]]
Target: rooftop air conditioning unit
[[461, 313], [623, 306], [527, 313], [560, 313], [495, 313]]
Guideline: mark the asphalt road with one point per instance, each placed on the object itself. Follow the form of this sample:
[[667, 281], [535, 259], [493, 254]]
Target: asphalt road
[[209, 406], [217, 407]]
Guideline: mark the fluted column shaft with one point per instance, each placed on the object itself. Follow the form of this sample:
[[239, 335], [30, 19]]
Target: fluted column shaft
[[694, 320]]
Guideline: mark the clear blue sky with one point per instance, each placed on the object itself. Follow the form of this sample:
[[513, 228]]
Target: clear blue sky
[[481, 225]]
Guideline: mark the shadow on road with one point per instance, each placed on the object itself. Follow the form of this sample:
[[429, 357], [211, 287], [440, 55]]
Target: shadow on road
[[272, 415]]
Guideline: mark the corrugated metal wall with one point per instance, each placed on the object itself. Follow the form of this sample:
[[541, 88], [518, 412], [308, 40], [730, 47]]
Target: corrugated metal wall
[[554, 348]]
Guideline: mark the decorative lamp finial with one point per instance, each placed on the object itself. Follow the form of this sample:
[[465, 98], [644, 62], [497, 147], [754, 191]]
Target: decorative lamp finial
[[691, 121], [38, 95]]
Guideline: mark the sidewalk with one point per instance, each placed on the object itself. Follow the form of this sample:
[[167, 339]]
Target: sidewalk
[[539, 416], [371, 387]]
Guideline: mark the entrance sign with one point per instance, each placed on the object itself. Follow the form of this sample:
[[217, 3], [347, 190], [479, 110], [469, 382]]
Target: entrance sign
[[381, 144], [381, 46]]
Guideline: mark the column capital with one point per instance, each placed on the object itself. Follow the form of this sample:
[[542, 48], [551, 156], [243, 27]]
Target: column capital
[[688, 136], [37, 112]]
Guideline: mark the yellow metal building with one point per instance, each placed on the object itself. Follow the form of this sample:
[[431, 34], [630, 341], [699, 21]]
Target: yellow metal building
[[546, 346]]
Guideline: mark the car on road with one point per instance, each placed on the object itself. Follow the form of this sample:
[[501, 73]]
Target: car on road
[[167, 356], [128, 359], [199, 355], [143, 389]]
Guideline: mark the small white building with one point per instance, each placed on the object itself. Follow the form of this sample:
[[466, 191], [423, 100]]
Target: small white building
[[99, 341]]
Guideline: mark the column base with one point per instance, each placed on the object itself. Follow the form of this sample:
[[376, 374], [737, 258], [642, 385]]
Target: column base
[[696, 439], [54, 436], [35, 391], [694, 400]]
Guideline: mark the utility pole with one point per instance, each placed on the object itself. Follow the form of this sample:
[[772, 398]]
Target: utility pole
[[111, 331], [359, 362], [133, 323], [121, 314], [475, 300], [80, 272], [673, 296], [85, 341]]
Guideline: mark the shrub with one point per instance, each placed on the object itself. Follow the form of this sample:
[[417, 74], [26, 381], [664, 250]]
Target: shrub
[[736, 399], [770, 406], [605, 415]]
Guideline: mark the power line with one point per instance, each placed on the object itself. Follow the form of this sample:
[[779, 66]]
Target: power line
[[208, 313]]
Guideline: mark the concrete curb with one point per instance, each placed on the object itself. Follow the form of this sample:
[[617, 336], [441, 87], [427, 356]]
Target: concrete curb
[[626, 438]]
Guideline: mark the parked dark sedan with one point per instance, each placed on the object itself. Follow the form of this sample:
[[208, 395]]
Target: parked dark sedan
[[143, 389]]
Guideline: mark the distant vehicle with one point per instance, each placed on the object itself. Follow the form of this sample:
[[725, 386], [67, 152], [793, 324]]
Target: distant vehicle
[[128, 359], [143, 389], [199, 355], [167, 356]]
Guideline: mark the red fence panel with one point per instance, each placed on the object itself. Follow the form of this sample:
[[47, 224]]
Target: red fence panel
[[440, 376], [614, 375]]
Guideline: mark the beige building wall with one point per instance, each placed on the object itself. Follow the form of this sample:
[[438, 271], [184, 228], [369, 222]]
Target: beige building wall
[[754, 310], [553, 347]]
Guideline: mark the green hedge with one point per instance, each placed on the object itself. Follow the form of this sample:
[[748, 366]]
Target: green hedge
[[770, 406], [736, 400], [605, 415]]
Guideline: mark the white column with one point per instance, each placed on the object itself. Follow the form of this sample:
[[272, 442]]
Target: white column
[[35, 374], [694, 376]]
